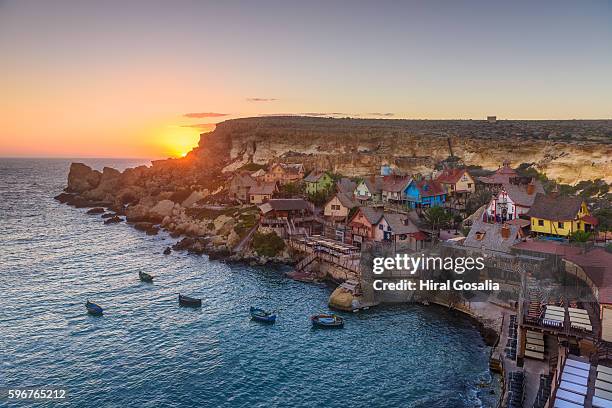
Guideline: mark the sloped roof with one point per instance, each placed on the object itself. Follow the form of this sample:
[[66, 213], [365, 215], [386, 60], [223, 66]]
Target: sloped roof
[[400, 223], [263, 188], [450, 176], [243, 180], [395, 183], [555, 208], [346, 186], [347, 200], [314, 176], [491, 238], [374, 184], [597, 264], [428, 188], [373, 215], [284, 204], [519, 194], [293, 168], [258, 173], [501, 176]]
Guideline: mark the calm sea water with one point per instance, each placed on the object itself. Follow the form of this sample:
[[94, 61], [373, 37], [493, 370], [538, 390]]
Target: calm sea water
[[147, 352]]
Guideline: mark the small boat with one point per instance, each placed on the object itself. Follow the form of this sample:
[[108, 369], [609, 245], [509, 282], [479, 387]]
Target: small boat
[[262, 316], [189, 301], [145, 277], [93, 309], [327, 321]]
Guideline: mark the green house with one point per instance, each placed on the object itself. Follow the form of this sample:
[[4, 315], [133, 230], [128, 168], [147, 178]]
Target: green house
[[318, 181]]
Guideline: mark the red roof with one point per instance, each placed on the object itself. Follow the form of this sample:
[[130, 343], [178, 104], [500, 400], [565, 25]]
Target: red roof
[[589, 219], [419, 236], [429, 188], [597, 264], [450, 176], [548, 247]]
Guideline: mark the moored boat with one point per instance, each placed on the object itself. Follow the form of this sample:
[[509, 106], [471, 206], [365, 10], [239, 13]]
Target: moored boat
[[189, 301], [145, 277], [327, 321], [262, 316], [93, 309]]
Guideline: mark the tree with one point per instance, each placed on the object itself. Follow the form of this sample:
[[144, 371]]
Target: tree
[[437, 218], [580, 236]]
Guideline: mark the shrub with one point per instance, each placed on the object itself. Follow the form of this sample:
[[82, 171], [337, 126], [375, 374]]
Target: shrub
[[268, 244]]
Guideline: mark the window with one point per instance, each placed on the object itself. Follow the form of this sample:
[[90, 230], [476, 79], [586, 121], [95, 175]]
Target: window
[[469, 185], [380, 227], [541, 223], [335, 207], [560, 225]]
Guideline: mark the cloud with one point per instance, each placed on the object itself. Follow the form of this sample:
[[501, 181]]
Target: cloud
[[205, 127], [387, 114], [261, 99], [205, 115], [324, 114]]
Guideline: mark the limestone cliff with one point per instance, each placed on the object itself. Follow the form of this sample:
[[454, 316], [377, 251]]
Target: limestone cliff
[[568, 151]]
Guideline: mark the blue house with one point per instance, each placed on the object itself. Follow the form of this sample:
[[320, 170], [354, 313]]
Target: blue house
[[425, 194]]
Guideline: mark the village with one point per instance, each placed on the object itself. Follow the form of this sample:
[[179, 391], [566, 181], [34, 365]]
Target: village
[[553, 315]]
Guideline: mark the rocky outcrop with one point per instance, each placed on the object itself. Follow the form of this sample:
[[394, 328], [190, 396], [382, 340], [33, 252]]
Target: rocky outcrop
[[82, 178]]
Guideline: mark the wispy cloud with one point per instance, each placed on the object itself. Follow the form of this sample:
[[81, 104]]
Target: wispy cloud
[[261, 99], [324, 114], [205, 127], [386, 114], [205, 115]]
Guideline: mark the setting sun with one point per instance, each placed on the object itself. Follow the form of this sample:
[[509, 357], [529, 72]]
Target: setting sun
[[176, 140]]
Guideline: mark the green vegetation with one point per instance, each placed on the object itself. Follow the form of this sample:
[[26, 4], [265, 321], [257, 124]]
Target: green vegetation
[[437, 218], [246, 221], [604, 215], [581, 236], [291, 190], [267, 244], [321, 197]]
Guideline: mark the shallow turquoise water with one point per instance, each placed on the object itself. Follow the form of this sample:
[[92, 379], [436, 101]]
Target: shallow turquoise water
[[147, 352]]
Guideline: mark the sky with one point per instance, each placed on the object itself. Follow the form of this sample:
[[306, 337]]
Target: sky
[[145, 78]]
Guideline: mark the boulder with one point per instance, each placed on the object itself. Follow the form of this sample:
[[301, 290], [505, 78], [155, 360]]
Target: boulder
[[193, 198], [162, 209], [137, 213], [167, 251], [223, 224], [113, 220], [108, 215], [82, 178], [107, 186], [148, 227], [96, 210]]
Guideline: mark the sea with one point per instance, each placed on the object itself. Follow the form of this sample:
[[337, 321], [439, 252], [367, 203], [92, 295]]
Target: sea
[[146, 351]]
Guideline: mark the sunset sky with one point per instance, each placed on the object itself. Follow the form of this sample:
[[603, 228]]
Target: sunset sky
[[143, 79]]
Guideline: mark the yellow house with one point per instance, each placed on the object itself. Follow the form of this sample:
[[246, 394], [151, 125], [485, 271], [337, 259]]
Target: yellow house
[[560, 216], [456, 181]]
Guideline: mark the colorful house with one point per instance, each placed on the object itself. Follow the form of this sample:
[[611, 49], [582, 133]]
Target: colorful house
[[284, 173], [317, 182], [560, 216], [262, 192], [339, 207], [363, 225], [240, 185], [399, 230], [393, 188], [513, 200], [425, 194], [499, 178], [456, 181], [369, 190]]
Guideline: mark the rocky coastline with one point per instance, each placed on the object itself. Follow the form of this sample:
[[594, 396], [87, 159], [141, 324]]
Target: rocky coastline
[[150, 203]]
